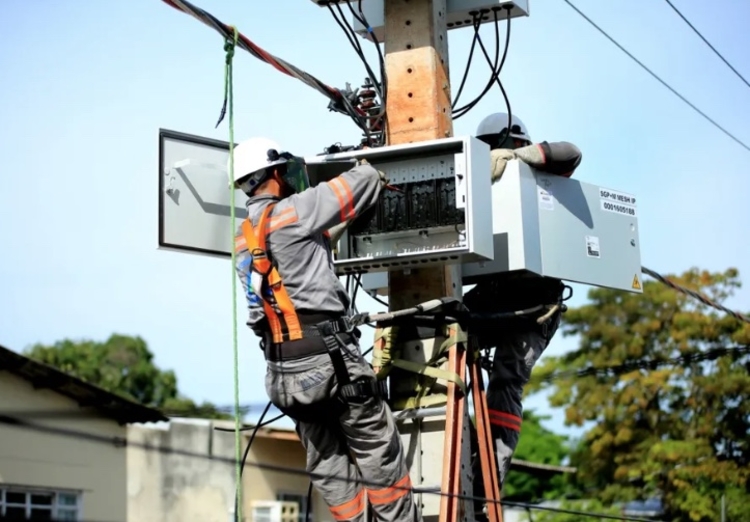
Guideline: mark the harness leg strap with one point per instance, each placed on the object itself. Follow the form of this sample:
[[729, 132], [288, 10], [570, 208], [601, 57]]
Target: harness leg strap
[[334, 345], [348, 390]]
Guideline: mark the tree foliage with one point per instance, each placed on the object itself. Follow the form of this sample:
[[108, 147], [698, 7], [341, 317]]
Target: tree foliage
[[680, 432], [123, 365], [539, 445]]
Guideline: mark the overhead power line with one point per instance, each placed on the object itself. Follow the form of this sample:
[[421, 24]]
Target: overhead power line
[[707, 42], [650, 364], [652, 73], [339, 101], [695, 295], [120, 442]]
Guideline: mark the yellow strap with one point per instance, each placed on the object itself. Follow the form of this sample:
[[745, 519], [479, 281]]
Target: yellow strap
[[412, 403], [430, 371], [384, 349]]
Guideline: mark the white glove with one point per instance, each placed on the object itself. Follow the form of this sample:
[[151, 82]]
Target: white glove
[[498, 160]]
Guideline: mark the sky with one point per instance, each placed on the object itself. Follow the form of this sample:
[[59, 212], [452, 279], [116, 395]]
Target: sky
[[86, 85]]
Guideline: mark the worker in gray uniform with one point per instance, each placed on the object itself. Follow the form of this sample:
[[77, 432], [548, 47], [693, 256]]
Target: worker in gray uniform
[[316, 373], [521, 340]]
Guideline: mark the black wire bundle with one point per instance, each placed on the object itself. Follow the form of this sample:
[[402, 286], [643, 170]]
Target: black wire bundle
[[340, 101], [495, 67], [366, 122]]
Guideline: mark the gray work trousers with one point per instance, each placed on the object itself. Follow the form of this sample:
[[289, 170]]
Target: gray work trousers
[[518, 350], [354, 452], [520, 345]]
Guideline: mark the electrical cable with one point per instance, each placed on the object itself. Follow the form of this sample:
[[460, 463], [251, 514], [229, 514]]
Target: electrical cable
[[495, 77], [626, 367], [244, 459], [358, 281], [309, 501], [657, 78], [383, 74], [380, 85], [496, 69], [603, 371], [476, 25], [338, 100], [351, 35], [493, 64], [707, 42], [695, 295], [120, 442]]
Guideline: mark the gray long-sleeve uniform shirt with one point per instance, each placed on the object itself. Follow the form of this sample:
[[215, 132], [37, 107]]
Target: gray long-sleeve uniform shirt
[[297, 241]]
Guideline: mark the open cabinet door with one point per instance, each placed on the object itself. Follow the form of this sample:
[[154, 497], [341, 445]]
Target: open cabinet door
[[194, 195]]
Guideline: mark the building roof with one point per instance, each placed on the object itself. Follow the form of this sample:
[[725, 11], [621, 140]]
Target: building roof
[[87, 395]]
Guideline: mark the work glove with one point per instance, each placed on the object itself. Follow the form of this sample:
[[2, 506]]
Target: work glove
[[383, 177], [498, 160]]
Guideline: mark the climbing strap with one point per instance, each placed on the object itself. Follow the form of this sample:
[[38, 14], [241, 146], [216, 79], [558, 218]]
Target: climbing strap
[[387, 355]]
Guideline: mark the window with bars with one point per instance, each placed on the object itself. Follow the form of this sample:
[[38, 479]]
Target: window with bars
[[301, 501], [20, 504]]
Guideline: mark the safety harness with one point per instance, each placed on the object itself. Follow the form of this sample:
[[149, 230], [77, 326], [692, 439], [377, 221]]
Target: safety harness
[[284, 322]]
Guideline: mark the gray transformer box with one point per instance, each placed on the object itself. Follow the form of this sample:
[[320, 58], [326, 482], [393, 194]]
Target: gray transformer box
[[437, 216], [557, 227]]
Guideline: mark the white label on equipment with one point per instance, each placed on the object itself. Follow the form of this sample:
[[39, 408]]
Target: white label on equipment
[[546, 201], [592, 247], [619, 208], [616, 197]]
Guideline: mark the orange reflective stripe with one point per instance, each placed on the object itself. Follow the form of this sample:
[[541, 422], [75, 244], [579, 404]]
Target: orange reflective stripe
[[272, 227], [240, 243], [256, 244], [505, 420], [344, 194], [284, 218], [350, 509], [349, 198], [392, 493]]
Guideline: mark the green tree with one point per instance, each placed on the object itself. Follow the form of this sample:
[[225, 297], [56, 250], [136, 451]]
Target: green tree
[[589, 507], [123, 365], [674, 422], [542, 446]]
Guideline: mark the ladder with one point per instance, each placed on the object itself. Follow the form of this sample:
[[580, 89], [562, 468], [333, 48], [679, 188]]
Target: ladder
[[427, 360]]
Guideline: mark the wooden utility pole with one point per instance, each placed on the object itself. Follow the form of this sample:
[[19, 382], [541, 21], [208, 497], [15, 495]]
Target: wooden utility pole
[[418, 109]]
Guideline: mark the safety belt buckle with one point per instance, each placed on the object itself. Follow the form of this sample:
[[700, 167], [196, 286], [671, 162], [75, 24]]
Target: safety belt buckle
[[326, 328], [345, 325], [364, 390]]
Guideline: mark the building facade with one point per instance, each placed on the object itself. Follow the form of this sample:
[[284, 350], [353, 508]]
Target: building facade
[[185, 471], [62, 452]]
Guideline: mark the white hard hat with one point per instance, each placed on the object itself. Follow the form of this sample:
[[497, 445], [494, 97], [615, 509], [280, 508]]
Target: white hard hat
[[252, 158], [497, 123]]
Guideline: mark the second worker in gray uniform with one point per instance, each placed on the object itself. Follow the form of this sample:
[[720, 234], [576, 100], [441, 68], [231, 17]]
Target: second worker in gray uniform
[[519, 342], [316, 373]]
